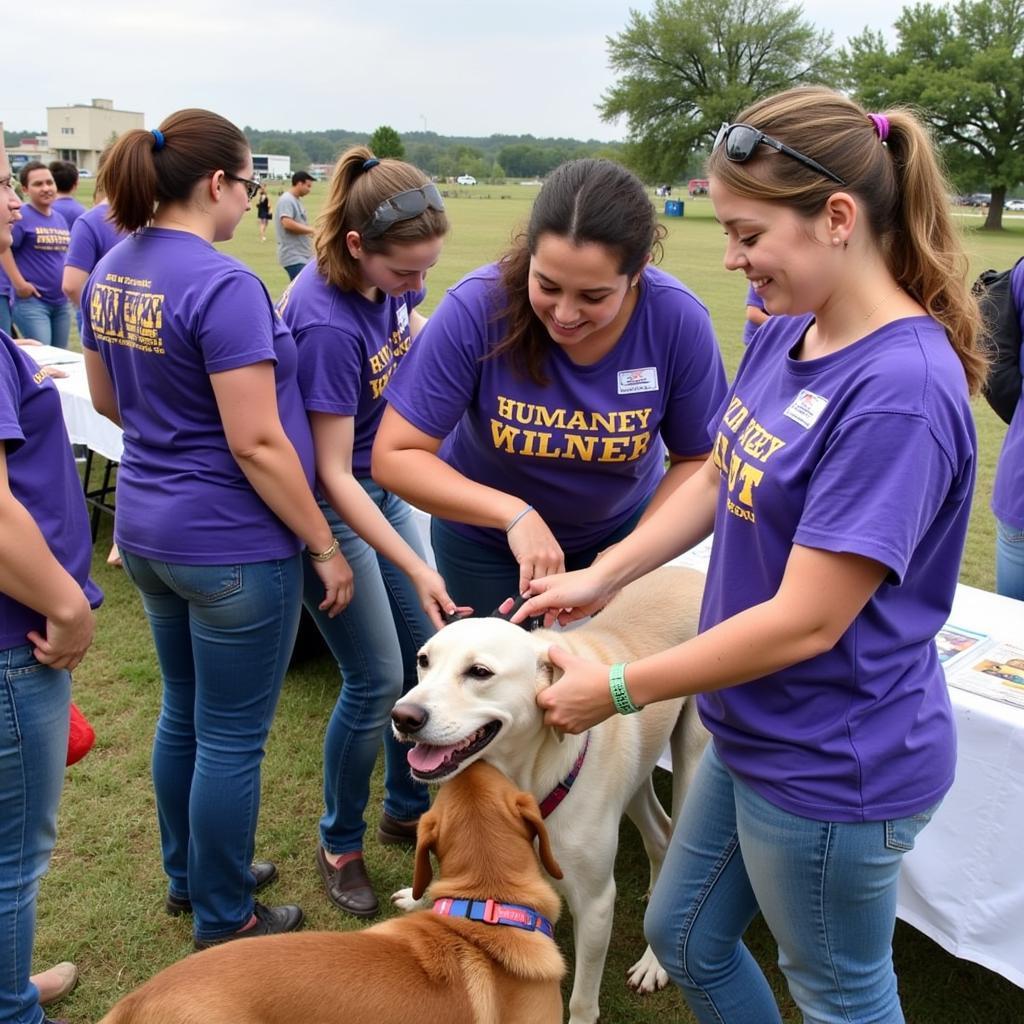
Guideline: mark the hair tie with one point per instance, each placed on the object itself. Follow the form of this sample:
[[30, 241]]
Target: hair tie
[[881, 123], [158, 139], [370, 162]]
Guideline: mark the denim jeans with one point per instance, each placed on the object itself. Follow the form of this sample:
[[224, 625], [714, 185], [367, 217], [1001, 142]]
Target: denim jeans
[[374, 640], [34, 709], [1009, 561], [6, 320], [223, 636], [827, 891], [482, 576], [293, 270], [49, 324]]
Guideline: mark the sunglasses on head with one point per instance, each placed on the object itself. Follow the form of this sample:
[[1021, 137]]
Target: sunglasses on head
[[741, 140], [251, 187], [402, 206]]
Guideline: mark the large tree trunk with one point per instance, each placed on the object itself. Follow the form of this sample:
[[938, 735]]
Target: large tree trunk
[[994, 217]]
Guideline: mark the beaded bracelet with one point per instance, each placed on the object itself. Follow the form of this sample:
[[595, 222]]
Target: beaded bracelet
[[325, 556], [620, 695]]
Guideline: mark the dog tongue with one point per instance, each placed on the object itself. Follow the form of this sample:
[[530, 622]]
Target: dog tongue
[[425, 758]]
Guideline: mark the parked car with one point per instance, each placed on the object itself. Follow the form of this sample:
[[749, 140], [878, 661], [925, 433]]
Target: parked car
[[466, 179], [84, 172], [979, 199], [697, 187], [1014, 205]]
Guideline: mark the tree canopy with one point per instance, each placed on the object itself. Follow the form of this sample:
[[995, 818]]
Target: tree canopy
[[386, 142], [962, 67], [688, 65]]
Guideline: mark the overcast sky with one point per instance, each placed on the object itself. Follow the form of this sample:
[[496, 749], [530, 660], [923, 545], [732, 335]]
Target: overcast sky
[[457, 68]]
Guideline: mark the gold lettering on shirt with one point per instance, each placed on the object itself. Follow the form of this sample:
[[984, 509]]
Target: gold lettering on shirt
[[123, 311]]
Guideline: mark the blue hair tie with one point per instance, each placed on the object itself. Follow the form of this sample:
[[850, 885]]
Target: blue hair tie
[[371, 162], [159, 140]]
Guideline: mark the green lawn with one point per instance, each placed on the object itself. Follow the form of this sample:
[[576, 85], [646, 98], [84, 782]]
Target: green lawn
[[101, 903]]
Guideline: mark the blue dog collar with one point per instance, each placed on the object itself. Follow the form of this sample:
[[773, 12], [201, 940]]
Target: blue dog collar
[[512, 914]]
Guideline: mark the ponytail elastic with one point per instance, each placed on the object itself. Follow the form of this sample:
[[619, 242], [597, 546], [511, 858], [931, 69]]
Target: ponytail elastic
[[881, 123], [370, 162], [158, 139]]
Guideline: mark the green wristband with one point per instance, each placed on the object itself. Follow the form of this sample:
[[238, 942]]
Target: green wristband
[[620, 695]]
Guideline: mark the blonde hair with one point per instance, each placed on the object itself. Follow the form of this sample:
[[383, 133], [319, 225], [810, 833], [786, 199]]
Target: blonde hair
[[355, 193], [900, 186]]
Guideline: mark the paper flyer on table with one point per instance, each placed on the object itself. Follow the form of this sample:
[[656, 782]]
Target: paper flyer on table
[[955, 642], [49, 355], [995, 670]]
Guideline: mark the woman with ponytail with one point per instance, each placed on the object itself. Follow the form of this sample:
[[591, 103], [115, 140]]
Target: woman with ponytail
[[214, 502], [838, 492], [353, 314]]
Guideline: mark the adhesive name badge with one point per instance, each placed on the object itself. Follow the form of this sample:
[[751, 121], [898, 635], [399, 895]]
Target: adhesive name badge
[[402, 316], [633, 381], [806, 408]]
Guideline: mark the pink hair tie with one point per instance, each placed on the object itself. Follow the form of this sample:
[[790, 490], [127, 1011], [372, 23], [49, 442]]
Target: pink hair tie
[[881, 123]]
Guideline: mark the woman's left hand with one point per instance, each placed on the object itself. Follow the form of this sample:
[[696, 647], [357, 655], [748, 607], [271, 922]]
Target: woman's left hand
[[581, 698], [434, 596]]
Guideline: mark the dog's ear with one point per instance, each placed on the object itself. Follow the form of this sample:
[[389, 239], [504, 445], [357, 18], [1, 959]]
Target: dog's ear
[[426, 843], [528, 810]]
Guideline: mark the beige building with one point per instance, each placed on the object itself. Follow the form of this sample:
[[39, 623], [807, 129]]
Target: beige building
[[80, 133]]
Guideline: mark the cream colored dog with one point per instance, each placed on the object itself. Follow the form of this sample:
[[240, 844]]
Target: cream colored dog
[[427, 967], [476, 698]]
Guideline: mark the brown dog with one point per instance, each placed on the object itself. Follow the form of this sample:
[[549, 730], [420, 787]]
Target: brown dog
[[422, 965]]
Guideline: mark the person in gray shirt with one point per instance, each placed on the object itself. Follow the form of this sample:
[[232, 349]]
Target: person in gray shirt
[[294, 234]]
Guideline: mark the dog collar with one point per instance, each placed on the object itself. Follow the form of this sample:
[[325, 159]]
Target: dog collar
[[561, 791], [490, 912]]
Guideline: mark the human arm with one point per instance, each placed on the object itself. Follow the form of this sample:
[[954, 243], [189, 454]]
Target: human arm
[[247, 402], [101, 387], [30, 575], [295, 227], [756, 315], [681, 468], [405, 461], [332, 439], [417, 321], [22, 288], [820, 595], [73, 284]]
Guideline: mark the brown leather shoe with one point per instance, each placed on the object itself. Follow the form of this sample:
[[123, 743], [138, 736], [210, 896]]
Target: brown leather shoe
[[349, 887], [399, 833]]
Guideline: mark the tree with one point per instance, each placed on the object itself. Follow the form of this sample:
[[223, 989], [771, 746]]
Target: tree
[[962, 67], [691, 64], [385, 141]]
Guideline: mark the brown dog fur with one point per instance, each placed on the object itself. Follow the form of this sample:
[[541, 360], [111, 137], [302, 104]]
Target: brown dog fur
[[420, 966]]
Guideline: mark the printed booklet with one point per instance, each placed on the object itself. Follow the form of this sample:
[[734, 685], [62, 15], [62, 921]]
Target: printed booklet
[[990, 667]]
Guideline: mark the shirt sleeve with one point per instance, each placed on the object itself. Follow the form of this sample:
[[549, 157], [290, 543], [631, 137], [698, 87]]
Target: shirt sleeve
[[10, 402], [235, 325], [331, 368], [83, 251], [877, 488]]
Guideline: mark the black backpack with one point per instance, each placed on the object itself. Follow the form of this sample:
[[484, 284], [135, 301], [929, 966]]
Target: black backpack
[[1001, 334]]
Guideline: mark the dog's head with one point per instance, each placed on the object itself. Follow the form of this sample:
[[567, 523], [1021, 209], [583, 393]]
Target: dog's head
[[478, 682], [481, 829]]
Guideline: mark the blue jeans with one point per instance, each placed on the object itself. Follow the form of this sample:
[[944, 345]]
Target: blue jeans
[[482, 576], [223, 636], [1009, 561], [6, 321], [34, 709], [49, 324], [827, 891], [374, 640], [293, 270]]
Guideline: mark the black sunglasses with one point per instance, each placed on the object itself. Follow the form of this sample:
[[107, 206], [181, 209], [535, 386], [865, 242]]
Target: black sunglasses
[[402, 206], [741, 140], [252, 188]]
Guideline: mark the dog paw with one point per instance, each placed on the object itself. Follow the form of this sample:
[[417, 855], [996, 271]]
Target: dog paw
[[403, 899], [646, 975]]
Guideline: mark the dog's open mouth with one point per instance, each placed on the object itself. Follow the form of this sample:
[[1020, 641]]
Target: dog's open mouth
[[429, 762]]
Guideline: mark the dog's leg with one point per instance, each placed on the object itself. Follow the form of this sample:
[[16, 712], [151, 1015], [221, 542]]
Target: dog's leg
[[403, 899], [646, 812], [687, 743]]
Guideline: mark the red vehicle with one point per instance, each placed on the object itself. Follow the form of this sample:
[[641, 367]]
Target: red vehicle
[[698, 187]]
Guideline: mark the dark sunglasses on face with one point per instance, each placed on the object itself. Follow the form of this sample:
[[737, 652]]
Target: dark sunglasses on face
[[402, 206], [741, 141], [251, 187]]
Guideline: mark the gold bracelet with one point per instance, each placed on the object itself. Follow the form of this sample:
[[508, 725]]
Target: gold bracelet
[[325, 556]]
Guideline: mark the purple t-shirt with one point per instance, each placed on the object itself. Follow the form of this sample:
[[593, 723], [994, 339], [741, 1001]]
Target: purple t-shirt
[[870, 451], [42, 476], [93, 235], [69, 208], [165, 310], [39, 245], [349, 346], [587, 449], [749, 329], [1008, 492]]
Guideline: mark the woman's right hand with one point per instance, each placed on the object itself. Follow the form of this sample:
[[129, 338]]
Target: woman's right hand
[[336, 576], [66, 640], [535, 549], [567, 597], [27, 290]]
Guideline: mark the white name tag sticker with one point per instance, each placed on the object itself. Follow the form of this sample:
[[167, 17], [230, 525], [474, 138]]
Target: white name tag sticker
[[806, 408], [632, 381], [402, 316]]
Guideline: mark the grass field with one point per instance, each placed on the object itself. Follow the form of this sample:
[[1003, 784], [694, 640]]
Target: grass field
[[101, 904]]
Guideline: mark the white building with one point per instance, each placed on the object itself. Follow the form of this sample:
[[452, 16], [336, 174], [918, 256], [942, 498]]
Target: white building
[[79, 133], [271, 165]]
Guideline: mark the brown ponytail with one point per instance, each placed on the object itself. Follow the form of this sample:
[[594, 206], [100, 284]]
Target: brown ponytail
[[145, 168]]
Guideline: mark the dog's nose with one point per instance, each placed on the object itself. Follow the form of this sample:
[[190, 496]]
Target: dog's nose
[[409, 718]]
